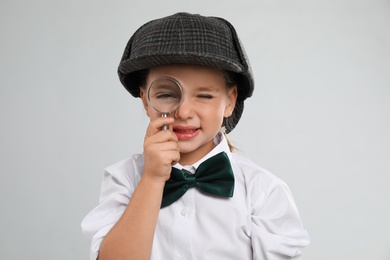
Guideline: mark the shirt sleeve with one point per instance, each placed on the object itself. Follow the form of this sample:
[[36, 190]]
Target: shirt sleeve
[[277, 230], [116, 191]]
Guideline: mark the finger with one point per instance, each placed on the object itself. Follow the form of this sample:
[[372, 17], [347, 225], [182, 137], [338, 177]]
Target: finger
[[170, 157], [175, 159], [156, 125], [169, 146], [161, 137], [159, 148]]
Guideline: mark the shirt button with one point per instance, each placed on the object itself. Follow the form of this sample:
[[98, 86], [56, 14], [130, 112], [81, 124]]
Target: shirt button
[[184, 212]]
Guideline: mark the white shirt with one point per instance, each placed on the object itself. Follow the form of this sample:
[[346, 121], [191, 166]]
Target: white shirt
[[259, 222]]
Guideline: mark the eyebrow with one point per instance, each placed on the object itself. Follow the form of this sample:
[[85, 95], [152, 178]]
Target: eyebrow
[[207, 88]]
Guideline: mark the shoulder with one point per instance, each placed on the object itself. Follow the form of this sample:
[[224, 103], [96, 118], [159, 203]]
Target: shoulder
[[258, 183], [121, 177], [135, 161], [127, 169], [253, 172]]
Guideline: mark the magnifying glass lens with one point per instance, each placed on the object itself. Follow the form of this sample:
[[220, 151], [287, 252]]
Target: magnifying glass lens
[[164, 95]]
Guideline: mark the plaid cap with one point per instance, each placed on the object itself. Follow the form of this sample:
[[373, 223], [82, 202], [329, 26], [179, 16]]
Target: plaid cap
[[185, 38]]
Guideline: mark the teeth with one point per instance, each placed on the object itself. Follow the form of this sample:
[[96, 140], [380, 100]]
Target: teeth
[[184, 131]]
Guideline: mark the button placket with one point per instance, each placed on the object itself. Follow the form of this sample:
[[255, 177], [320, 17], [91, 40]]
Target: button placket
[[184, 219]]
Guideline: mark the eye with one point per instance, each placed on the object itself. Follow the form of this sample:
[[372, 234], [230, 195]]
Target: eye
[[165, 95], [205, 96]]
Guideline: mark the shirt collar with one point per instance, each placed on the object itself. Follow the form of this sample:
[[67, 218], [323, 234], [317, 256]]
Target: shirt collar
[[221, 145]]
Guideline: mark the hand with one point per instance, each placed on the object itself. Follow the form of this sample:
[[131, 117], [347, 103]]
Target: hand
[[161, 149]]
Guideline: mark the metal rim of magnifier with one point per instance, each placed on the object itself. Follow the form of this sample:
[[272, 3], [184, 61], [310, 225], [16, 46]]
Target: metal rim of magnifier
[[181, 91]]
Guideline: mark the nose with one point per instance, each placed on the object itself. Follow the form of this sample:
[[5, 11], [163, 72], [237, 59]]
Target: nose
[[186, 109]]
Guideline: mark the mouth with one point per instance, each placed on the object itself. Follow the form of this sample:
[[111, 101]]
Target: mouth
[[186, 133]]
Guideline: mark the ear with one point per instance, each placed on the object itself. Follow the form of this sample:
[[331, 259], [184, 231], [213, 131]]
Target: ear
[[231, 100], [143, 96]]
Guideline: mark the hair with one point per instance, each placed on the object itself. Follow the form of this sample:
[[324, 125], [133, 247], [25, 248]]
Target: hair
[[141, 76]]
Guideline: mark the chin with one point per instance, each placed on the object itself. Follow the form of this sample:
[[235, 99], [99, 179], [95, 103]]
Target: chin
[[186, 149], [190, 147]]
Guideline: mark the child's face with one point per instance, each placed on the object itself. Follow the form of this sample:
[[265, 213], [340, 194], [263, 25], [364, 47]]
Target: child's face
[[205, 102]]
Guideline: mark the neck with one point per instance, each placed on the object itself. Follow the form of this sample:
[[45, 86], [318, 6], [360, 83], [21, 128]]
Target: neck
[[194, 156]]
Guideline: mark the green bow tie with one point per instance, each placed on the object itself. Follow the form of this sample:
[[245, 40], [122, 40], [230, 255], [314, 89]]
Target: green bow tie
[[214, 176]]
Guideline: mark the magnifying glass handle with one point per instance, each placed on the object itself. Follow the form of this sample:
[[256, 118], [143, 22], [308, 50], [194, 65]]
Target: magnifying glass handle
[[164, 127]]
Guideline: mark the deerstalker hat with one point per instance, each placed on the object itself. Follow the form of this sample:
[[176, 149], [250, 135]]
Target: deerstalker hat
[[185, 38]]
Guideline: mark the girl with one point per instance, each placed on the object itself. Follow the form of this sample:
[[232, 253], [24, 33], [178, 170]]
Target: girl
[[188, 196]]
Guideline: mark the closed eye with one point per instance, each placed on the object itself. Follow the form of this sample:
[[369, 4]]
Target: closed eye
[[205, 96]]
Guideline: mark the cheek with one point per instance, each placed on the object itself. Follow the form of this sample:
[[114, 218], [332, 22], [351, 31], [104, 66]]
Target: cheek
[[214, 112], [152, 113]]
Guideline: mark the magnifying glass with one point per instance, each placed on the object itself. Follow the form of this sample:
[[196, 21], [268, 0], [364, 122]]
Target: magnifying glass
[[165, 96]]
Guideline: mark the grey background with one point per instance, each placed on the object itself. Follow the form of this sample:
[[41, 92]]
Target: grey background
[[319, 117]]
